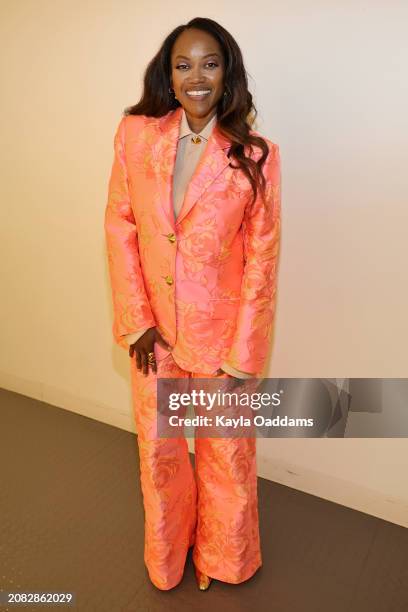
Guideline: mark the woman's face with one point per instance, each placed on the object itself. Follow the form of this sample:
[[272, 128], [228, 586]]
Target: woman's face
[[197, 65]]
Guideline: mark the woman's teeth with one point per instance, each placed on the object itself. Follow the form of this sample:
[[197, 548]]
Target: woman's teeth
[[198, 94]]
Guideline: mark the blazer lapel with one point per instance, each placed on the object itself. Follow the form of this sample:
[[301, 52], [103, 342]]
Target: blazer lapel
[[169, 125], [211, 163]]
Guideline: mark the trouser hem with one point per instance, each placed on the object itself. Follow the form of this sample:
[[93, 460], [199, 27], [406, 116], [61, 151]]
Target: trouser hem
[[228, 579]]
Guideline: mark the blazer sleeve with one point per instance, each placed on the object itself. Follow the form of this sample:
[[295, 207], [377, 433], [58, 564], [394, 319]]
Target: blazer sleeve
[[233, 372], [131, 308], [132, 338], [261, 242]]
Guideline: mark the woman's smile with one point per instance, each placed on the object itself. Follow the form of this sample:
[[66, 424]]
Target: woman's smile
[[198, 95]]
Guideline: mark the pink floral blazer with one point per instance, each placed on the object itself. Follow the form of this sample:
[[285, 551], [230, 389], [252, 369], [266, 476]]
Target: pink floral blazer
[[208, 279]]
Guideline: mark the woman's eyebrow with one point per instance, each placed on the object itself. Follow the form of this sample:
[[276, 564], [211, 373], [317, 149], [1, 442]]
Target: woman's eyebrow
[[187, 58]]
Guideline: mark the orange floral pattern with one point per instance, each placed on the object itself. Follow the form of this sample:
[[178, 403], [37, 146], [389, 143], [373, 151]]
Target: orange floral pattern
[[224, 248], [211, 292], [214, 508]]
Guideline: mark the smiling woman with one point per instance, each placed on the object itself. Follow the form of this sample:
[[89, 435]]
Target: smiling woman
[[193, 232], [197, 75]]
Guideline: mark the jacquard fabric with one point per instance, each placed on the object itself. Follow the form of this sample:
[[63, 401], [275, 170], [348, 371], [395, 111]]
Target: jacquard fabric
[[214, 509], [187, 157], [212, 291], [207, 281]]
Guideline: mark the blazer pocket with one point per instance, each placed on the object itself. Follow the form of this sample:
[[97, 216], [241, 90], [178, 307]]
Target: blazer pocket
[[224, 308]]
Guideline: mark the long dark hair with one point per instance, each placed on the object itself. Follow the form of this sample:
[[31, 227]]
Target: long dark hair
[[235, 111]]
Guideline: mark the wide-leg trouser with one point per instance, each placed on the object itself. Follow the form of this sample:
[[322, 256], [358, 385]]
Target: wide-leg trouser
[[215, 509]]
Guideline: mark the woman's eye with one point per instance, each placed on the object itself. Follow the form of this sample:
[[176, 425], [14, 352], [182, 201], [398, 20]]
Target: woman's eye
[[211, 64]]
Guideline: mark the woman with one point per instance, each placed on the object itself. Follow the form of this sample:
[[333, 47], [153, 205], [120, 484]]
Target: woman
[[193, 229]]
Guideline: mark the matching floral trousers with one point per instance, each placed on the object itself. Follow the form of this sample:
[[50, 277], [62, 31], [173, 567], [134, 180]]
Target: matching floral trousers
[[213, 507]]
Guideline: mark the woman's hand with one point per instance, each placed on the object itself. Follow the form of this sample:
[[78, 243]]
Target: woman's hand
[[144, 346]]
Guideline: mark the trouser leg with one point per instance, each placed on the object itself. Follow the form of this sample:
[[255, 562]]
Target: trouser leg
[[167, 482], [227, 545]]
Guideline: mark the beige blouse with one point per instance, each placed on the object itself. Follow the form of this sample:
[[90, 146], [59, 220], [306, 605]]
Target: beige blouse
[[189, 150]]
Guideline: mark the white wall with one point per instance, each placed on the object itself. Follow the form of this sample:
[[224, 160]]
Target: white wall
[[329, 80]]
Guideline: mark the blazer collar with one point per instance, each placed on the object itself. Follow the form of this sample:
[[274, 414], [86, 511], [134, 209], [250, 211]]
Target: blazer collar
[[185, 129], [171, 125], [211, 163]]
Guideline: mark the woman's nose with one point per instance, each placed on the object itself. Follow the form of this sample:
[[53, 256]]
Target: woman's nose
[[197, 74]]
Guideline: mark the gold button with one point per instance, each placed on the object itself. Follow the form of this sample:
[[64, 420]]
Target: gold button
[[196, 139], [171, 237], [168, 280]]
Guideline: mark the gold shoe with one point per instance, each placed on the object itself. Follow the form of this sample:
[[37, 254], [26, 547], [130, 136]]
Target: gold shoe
[[202, 579]]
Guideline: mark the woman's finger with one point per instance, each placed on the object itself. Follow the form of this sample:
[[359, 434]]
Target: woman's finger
[[152, 363], [138, 360], [145, 365]]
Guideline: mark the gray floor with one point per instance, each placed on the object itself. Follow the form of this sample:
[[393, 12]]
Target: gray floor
[[72, 520]]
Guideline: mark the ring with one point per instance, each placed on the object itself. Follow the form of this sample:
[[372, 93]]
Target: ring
[[151, 358]]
